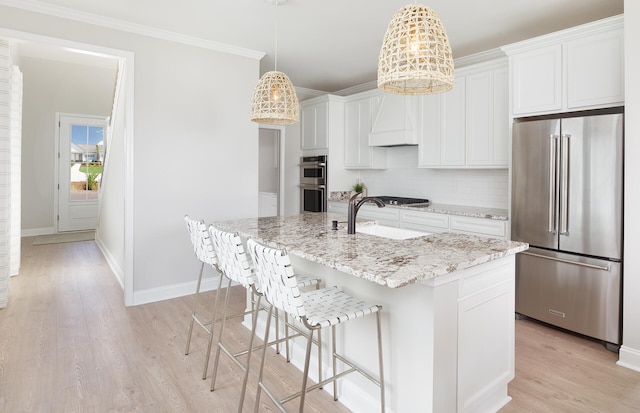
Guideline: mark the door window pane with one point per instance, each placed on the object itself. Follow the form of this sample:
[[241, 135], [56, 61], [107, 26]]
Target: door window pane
[[86, 154]]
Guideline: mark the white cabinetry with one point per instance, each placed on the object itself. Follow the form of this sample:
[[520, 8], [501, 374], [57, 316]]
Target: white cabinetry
[[478, 226], [575, 69], [357, 127], [487, 118], [425, 221], [314, 124], [595, 70], [384, 216], [485, 312], [468, 127], [338, 208], [537, 80]]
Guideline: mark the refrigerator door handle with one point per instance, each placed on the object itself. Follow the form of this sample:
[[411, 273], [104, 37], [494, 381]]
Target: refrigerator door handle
[[582, 264], [553, 160], [565, 147]]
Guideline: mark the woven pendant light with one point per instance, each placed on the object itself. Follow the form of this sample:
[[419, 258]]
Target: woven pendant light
[[274, 98], [415, 58]]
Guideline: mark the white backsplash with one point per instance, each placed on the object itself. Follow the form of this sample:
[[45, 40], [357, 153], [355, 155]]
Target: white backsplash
[[470, 187]]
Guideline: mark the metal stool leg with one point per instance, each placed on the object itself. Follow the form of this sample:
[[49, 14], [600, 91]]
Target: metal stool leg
[[254, 324], [264, 355], [222, 324], [333, 357], [193, 313], [381, 372], [320, 357], [305, 374]]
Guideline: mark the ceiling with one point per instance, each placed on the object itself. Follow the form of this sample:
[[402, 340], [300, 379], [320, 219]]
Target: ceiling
[[331, 45]]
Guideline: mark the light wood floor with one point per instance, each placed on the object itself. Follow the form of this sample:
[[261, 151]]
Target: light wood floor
[[67, 344]]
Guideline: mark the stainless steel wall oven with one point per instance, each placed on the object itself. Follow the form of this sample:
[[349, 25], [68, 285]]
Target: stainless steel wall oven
[[313, 183]]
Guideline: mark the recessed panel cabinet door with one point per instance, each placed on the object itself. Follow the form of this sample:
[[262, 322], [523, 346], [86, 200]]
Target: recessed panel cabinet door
[[429, 147], [314, 121], [595, 67], [537, 80], [479, 119], [452, 145]]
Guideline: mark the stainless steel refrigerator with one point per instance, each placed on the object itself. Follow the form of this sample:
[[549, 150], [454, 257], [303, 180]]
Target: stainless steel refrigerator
[[567, 193]]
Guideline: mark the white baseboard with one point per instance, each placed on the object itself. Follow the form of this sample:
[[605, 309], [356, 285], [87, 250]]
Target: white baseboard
[[629, 358], [173, 291], [34, 232], [113, 263]]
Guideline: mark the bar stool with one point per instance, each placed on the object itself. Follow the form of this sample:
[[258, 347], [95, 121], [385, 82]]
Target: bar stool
[[203, 248], [236, 267], [316, 309]]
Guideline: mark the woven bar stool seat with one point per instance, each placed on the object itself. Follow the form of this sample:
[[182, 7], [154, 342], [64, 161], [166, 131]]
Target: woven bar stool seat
[[326, 307], [329, 306]]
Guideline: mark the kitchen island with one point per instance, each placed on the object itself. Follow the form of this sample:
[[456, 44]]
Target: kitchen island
[[448, 317]]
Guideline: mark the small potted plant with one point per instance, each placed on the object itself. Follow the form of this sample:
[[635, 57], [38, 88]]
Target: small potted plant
[[359, 188]]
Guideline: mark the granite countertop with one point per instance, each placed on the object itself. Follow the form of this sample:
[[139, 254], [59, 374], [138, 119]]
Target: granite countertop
[[388, 262], [467, 211]]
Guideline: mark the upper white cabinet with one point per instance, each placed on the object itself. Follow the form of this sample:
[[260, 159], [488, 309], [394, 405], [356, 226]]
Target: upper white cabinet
[[358, 154], [595, 70], [487, 118], [452, 131], [468, 127], [537, 80], [575, 69], [314, 124]]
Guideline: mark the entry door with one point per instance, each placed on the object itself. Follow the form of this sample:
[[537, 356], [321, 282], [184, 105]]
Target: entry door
[[81, 155]]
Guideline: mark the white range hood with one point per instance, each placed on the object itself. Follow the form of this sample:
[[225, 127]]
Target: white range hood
[[394, 120]]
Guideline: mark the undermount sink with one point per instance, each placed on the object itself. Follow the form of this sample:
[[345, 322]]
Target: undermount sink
[[389, 232]]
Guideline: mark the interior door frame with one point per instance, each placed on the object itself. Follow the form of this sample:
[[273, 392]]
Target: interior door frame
[[126, 79], [281, 154], [57, 189]]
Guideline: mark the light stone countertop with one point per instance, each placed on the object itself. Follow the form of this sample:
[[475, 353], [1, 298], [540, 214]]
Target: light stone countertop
[[467, 211], [388, 262]]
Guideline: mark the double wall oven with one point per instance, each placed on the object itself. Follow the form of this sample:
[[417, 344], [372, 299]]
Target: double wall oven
[[313, 183]]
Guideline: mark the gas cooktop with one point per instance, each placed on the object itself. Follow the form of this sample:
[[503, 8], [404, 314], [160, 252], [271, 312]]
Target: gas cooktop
[[398, 200]]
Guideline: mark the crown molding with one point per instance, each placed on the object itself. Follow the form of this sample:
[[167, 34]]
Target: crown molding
[[363, 87], [115, 24], [572, 33]]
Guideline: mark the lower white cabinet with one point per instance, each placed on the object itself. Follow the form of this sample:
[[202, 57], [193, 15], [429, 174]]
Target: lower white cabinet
[[425, 221], [478, 226], [338, 208], [486, 362], [384, 216]]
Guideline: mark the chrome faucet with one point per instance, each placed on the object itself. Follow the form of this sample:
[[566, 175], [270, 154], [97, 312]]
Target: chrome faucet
[[354, 206]]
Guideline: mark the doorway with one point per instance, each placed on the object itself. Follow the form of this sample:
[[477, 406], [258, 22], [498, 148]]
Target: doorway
[[268, 172], [81, 152]]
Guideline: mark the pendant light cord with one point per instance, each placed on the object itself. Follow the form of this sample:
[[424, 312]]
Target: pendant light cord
[[276, 42]]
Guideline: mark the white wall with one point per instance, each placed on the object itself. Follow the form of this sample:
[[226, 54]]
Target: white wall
[[630, 351], [195, 150], [50, 87], [110, 232]]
